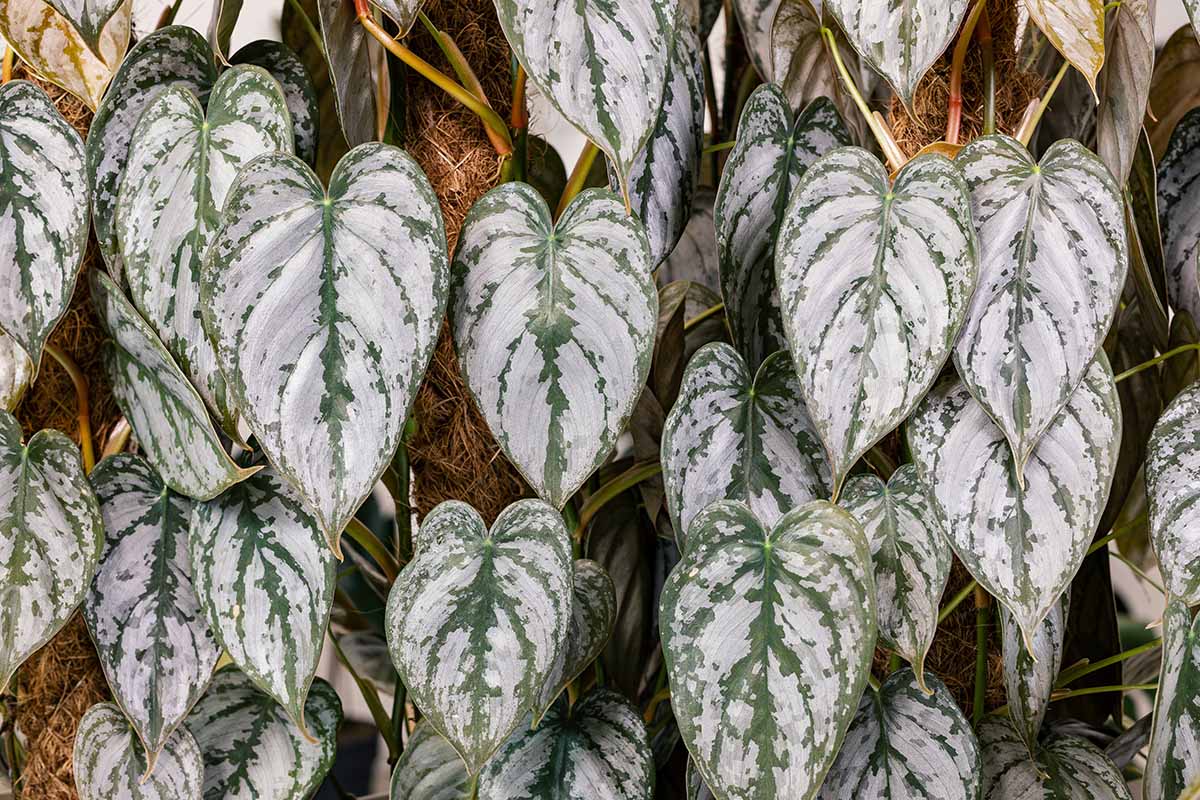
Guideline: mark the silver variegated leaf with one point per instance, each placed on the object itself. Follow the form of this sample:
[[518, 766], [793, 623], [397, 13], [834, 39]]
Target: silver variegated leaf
[[16, 372], [110, 763], [756, 18], [298, 90], [51, 535], [1173, 763], [430, 769], [593, 613], [350, 52], [402, 12], [475, 620], [875, 279], [736, 435], [166, 413], [1031, 670], [88, 17], [1193, 9], [253, 750], [554, 327], [768, 634], [900, 38], [1172, 464], [1023, 541], [265, 578], [154, 643], [907, 742], [1179, 212], [44, 199], [772, 152], [181, 164], [663, 177], [603, 64], [598, 749], [175, 55], [1125, 85], [1052, 264], [911, 557], [1064, 767], [1075, 28], [342, 293]]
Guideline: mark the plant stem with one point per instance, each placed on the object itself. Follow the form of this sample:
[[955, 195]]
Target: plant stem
[[382, 721], [609, 491], [578, 176], [1138, 571], [652, 706], [1075, 673], [168, 15], [1029, 125], [1066, 695], [496, 127], [1129, 373], [1117, 533], [368, 541], [706, 314], [716, 148], [954, 115], [313, 33], [983, 611], [872, 681], [6, 68], [399, 701], [956, 601], [984, 34], [890, 149], [81, 399]]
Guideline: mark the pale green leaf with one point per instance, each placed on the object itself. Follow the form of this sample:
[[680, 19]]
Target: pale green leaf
[[51, 535], [430, 769], [1031, 670], [1172, 464], [1064, 767], [768, 635], [298, 90], [554, 328], [88, 17], [1179, 212], [475, 621], [1173, 762], [875, 279], [16, 371], [593, 613], [1075, 28], [110, 764]]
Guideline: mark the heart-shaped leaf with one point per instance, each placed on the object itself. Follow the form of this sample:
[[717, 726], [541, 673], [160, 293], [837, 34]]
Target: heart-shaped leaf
[[430, 769], [773, 150], [16, 371], [1173, 763], [1125, 85], [768, 635], [166, 413], [663, 177], [180, 167], [1064, 767], [1172, 461], [265, 578], [911, 558], [1051, 267], [298, 90], [1175, 85], [593, 613], [48, 42], [1075, 28], [598, 749], [475, 620], [88, 17], [1179, 212], [142, 611], [252, 750], [402, 12], [44, 204], [603, 65], [1030, 672], [554, 327], [175, 55], [109, 761], [734, 435], [351, 53], [900, 38], [874, 280], [343, 293], [51, 535], [756, 18], [1023, 542], [907, 742]]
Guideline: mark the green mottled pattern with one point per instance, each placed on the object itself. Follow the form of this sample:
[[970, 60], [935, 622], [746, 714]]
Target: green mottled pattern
[[265, 578], [16, 371], [1052, 263], [1173, 763], [736, 435], [180, 167], [911, 557], [1125, 85], [907, 742], [430, 769], [110, 764], [772, 152], [1064, 767], [44, 199], [153, 641], [598, 749], [175, 55], [253, 750], [475, 621], [298, 90], [900, 38], [602, 63], [554, 328], [1179, 213], [1031, 670], [768, 634], [324, 309], [593, 613], [168, 416], [1172, 488], [352, 55], [875, 278], [51, 535], [88, 17], [1023, 541]]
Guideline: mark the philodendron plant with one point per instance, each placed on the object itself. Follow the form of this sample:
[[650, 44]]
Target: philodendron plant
[[749, 486]]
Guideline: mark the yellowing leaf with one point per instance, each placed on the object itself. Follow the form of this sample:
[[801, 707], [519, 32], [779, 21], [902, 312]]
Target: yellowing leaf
[[1076, 29]]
